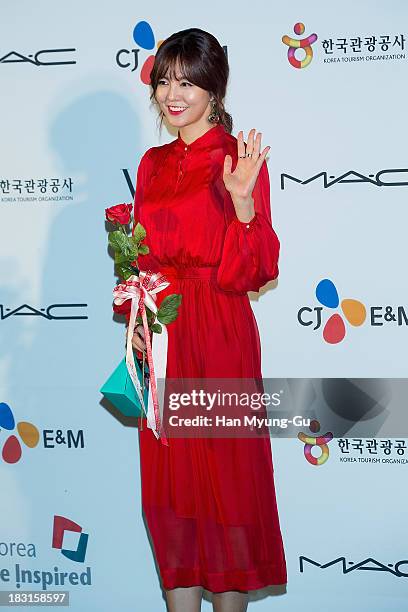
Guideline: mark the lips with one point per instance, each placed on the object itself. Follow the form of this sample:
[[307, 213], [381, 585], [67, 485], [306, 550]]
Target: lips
[[176, 110]]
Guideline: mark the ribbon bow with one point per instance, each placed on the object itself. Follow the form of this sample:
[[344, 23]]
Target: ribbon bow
[[142, 290]]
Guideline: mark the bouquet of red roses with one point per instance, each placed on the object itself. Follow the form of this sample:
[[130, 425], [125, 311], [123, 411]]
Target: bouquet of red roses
[[124, 386]]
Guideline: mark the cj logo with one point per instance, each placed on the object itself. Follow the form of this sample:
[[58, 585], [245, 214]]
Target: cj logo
[[61, 525], [144, 38], [334, 329], [315, 441], [303, 43], [27, 432]]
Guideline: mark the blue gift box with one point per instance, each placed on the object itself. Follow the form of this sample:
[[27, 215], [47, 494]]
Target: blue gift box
[[120, 391]]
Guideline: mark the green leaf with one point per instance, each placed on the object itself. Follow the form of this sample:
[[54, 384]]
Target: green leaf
[[168, 310], [150, 315], [134, 241], [124, 270], [134, 252], [118, 241], [121, 258], [157, 328], [143, 249], [139, 232]]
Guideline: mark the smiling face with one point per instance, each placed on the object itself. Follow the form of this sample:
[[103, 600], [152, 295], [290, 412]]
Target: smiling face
[[182, 102]]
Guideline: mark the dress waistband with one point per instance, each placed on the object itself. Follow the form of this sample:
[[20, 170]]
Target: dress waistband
[[191, 272]]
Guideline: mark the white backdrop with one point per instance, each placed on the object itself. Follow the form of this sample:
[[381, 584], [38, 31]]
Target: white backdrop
[[69, 134]]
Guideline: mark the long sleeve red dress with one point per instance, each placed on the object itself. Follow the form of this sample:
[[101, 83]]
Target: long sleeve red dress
[[209, 503]]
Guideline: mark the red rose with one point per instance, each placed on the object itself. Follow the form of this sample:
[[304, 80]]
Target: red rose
[[119, 213]]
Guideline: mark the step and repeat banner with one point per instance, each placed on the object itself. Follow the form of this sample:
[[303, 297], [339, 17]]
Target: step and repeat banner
[[327, 89]]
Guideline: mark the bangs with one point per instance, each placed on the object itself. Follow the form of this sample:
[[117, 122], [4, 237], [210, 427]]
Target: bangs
[[188, 67]]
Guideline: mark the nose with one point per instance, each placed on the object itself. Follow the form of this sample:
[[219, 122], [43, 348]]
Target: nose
[[172, 94]]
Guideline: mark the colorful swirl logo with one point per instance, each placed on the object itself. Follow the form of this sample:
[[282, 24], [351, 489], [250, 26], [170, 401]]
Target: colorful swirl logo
[[315, 441], [303, 43]]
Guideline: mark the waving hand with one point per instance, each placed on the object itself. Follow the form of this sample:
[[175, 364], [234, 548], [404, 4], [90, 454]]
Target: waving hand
[[241, 182]]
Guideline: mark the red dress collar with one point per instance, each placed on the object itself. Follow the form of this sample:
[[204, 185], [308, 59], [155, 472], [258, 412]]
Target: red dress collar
[[210, 137]]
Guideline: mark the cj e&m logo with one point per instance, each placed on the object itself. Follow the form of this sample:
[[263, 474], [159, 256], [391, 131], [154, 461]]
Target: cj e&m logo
[[144, 37], [29, 435], [26, 433], [349, 310]]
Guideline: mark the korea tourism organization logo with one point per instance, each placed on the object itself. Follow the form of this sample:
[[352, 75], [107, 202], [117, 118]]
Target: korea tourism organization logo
[[144, 38], [345, 48], [373, 451], [315, 442], [36, 190], [26, 433], [303, 43], [65, 527], [23, 567]]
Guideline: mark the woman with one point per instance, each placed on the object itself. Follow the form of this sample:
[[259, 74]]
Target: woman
[[203, 199]]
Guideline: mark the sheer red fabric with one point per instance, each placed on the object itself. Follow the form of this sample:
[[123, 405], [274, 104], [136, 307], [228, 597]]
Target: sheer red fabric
[[209, 503]]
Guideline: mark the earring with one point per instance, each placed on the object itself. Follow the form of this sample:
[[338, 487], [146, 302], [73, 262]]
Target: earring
[[214, 115]]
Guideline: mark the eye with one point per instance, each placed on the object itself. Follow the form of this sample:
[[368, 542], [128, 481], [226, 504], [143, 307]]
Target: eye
[[186, 83], [161, 81]]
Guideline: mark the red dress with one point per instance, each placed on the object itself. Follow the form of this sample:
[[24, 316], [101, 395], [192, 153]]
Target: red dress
[[209, 502]]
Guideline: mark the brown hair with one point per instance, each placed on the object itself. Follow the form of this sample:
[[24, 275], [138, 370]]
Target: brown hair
[[202, 61]]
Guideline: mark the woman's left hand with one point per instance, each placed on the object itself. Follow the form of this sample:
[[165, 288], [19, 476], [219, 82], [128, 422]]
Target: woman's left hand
[[241, 182]]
